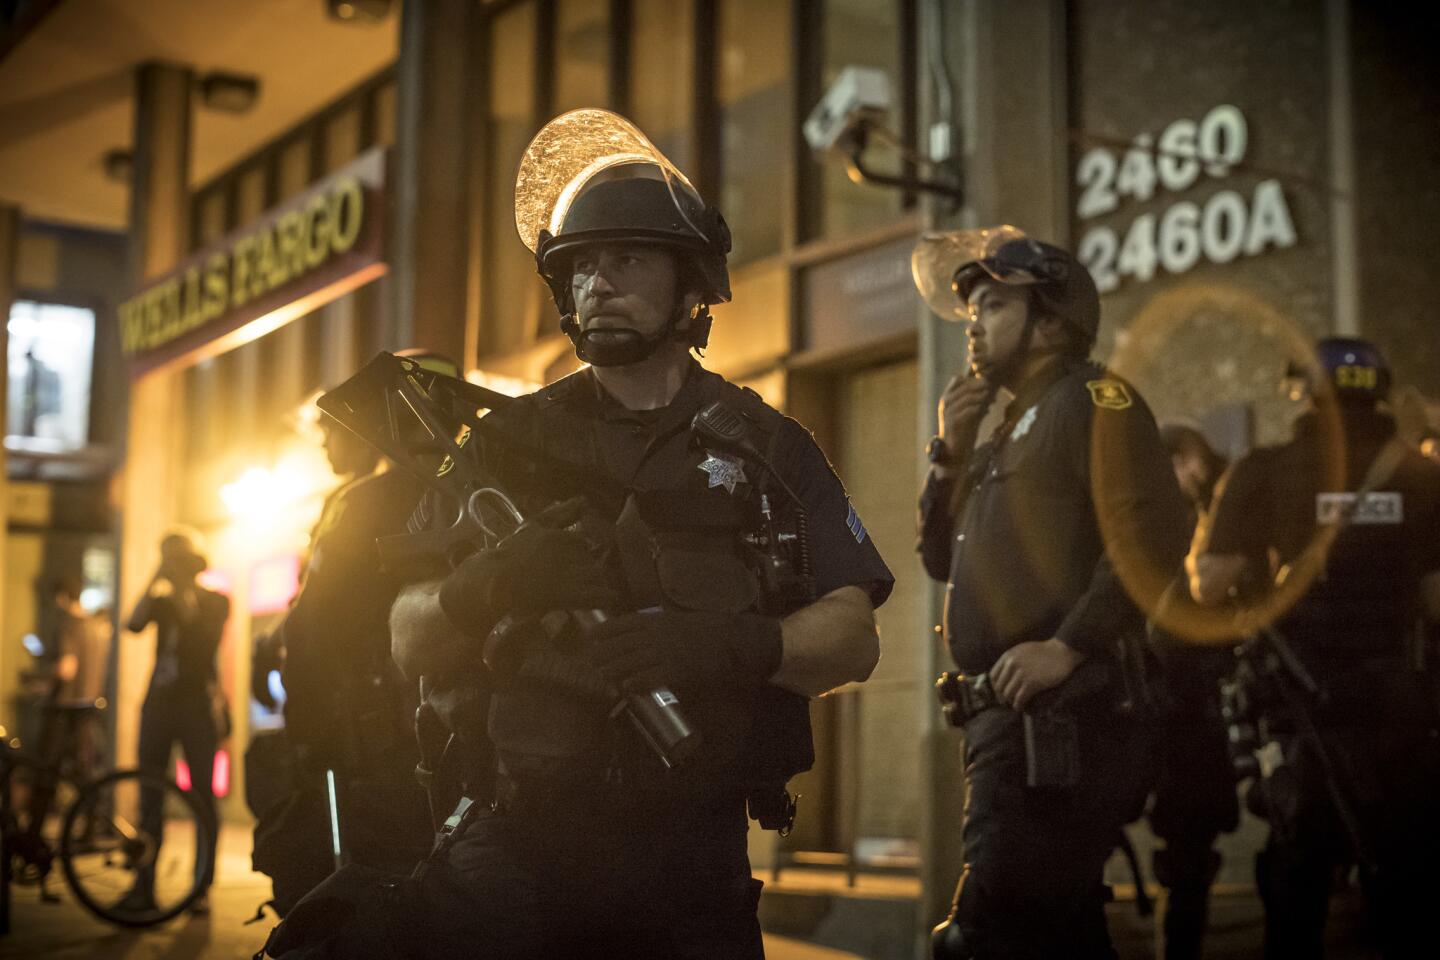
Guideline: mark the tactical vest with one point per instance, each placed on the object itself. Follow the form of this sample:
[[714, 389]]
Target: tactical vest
[[682, 547]]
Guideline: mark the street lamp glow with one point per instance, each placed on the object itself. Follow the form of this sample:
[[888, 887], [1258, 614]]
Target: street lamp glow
[[256, 493]]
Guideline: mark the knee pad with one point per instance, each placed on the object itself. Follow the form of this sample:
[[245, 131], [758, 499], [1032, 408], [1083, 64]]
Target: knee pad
[[954, 939], [949, 942]]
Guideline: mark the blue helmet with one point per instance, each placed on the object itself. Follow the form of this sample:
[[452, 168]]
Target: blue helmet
[[1354, 368]]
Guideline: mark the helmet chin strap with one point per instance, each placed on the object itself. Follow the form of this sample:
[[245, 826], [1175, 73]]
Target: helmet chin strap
[[619, 347]]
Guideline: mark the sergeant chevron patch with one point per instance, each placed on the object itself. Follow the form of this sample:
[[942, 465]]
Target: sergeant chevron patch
[[857, 529]]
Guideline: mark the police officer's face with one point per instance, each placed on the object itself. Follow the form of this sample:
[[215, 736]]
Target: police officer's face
[[623, 286], [996, 326], [1192, 471], [346, 452]]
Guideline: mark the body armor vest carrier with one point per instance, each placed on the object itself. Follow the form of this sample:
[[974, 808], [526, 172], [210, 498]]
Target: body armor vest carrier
[[681, 544]]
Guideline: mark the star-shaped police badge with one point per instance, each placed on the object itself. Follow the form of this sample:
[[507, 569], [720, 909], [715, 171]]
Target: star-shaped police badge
[[724, 471]]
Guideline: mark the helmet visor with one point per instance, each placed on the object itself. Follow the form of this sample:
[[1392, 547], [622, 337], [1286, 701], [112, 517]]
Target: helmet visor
[[571, 151], [939, 256]]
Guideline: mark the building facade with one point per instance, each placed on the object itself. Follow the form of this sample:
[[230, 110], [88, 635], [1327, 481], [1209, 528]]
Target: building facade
[[1239, 178]]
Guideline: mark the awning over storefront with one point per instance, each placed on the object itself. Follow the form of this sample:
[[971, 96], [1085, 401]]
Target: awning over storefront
[[299, 256]]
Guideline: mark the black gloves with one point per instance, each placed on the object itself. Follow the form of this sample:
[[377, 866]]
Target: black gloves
[[642, 651], [535, 570]]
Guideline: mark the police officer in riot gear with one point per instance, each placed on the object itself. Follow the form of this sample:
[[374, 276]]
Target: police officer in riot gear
[[583, 842], [1195, 798], [1336, 531], [1047, 534], [343, 768]]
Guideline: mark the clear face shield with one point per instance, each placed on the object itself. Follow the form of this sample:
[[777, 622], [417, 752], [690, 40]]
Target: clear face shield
[[575, 150], [937, 257]]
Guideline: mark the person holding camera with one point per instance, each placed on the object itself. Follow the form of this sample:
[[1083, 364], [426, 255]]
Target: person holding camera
[[1329, 544], [184, 703], [1047, 535]]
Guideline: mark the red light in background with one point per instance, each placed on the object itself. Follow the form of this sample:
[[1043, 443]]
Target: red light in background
[[219, 778], [218, 579], [273, 584]]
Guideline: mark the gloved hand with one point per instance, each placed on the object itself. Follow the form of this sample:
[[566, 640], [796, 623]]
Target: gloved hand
[[642, 651], [538, 568]]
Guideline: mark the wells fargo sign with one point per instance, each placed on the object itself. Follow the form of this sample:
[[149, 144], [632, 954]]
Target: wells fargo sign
[[296, 258]]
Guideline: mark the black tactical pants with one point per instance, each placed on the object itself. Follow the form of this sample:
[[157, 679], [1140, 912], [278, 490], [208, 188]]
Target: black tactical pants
[[1195, 802], [1393, 779], [532, 885], [1033, 887], [185, 716]]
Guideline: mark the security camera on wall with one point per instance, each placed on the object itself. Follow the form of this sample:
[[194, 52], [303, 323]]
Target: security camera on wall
[[859, 98]]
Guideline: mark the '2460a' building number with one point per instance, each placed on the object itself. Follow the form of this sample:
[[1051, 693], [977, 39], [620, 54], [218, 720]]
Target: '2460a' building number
[[1223, 227]]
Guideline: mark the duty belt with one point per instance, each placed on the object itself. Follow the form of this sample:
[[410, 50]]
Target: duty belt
[[1051, 734], [964, 697]]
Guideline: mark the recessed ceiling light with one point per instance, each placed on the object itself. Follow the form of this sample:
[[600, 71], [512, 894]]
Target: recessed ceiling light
[[229, 92], [358, 11]]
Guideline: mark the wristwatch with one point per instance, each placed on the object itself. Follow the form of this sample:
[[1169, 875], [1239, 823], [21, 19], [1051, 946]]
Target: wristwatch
[[938, 453]]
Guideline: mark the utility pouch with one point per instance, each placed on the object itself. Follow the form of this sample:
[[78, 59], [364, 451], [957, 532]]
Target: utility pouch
[[1052, 750], [962, 697], [773, 807]]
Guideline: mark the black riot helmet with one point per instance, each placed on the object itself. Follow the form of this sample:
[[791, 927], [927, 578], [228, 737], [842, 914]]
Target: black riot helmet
[[1059, 284], [661, 212], [590, 176]]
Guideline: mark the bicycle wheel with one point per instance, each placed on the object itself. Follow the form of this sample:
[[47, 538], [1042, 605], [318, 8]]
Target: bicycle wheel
[[135, 848], [35, 797]]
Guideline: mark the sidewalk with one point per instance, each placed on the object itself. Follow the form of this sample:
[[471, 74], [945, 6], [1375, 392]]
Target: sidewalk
[[65, 931]]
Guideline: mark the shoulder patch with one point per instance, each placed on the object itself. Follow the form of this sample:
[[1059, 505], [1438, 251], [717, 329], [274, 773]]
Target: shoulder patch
[[1110, 394]]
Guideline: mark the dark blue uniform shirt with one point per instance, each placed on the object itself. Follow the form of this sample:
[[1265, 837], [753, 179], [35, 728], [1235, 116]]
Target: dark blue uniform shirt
[[1067, 515]]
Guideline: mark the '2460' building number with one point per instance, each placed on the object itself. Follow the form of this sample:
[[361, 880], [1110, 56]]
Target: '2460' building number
[[1223, 227]]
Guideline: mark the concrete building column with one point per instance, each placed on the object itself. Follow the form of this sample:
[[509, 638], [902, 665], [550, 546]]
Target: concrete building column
[[429, 216], [998, 67], [151, 478], [1344, 227], [9, 247]]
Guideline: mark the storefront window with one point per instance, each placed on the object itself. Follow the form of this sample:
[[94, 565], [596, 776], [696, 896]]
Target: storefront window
[[755, 130], [863, 33], [200, 410], [294, 173], [212, 217], [342, 138], [512, 291], [662, 75], [582, 54], [49, 357], [384, 107], [250, 194]]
